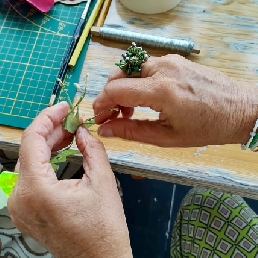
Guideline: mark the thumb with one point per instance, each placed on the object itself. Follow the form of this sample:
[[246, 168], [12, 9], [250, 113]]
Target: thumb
[[146, 131], [95, 159]]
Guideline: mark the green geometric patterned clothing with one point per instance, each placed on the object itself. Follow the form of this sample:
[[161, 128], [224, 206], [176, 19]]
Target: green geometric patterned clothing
[[212, 224]]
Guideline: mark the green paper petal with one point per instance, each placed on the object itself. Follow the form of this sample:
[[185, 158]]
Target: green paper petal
[[72, 121]]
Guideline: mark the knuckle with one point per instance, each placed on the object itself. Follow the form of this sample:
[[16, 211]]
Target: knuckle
[[95, 105], [108, 87], [174, 56], [116, 74], [111, 77], [98, 104], [128, 132], [46, 112], [150, 68], [26, 133]]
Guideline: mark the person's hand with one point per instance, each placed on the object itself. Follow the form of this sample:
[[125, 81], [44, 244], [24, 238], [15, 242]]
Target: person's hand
[[197, 105], [70, 218]]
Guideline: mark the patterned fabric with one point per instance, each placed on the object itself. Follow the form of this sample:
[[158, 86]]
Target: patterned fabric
[[212, 224], [13, 244]]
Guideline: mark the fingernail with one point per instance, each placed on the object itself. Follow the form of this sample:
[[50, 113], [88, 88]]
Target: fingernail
[[106, 132]]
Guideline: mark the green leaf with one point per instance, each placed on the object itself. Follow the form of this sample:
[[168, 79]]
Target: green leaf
[[62, 157], [54, 166], [72, 120]]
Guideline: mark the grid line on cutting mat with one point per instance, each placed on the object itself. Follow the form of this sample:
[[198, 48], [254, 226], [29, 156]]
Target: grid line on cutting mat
[[32, 48]]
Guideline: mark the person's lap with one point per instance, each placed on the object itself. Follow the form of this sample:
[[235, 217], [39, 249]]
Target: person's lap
[[214, 224]]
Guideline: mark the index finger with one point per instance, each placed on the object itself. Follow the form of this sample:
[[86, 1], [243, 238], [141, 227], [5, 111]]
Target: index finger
[[35, 150], [127, 93], [145, 71]]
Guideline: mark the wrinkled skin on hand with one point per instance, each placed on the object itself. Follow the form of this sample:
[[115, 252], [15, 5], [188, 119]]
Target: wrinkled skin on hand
[[70, 218], [197, 105]]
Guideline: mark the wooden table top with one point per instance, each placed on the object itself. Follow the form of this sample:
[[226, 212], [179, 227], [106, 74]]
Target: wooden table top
[[226, 31]]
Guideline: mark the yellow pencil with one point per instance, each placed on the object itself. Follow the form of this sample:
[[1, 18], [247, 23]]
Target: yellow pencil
[[85, 34], [103, 13]]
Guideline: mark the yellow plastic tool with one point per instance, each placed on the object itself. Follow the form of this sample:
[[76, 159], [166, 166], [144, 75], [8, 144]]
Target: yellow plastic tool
[[85, 34]]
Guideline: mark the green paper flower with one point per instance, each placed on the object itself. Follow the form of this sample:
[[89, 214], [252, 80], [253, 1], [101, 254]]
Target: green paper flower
[[133, 59]]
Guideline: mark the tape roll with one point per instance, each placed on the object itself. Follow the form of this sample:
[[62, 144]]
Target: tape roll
[[150, 6]]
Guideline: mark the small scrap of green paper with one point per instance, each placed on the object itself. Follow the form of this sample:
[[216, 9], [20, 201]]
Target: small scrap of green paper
[[61, 157], [7, 183]]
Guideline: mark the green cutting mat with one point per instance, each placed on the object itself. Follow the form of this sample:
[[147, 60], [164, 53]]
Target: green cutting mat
[[32, 47]]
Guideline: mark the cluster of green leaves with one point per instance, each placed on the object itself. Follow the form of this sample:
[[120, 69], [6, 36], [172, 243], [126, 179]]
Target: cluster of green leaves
[[133, 59]]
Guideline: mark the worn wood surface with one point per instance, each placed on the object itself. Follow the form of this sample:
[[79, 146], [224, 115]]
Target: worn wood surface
[[227, 34]]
